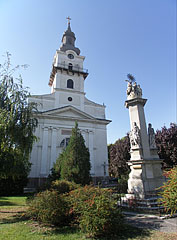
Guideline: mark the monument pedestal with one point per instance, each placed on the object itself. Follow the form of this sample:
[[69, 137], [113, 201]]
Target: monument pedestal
[[146, 167], [145, 177]]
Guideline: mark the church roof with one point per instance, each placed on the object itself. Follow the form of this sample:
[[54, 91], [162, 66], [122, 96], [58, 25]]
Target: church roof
[[68, 41]]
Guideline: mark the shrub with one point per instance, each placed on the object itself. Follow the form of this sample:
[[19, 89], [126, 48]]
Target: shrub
[[49, 207], [122, 184], [63, 186], [95, 211], [168, 191]]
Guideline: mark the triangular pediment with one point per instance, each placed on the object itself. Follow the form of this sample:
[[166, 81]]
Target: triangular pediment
[[67, 112]]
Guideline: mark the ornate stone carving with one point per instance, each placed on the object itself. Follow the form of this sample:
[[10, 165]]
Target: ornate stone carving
[[151, 136], [135, 137], [133, 90]]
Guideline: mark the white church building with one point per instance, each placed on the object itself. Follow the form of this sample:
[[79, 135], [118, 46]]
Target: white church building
[[58, 111]]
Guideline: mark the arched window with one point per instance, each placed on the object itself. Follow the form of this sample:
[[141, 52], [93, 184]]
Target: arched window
[[64, 142], [70, 66], [70, 83]]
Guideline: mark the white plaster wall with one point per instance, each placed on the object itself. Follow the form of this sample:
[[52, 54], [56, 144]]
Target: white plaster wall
[[49, 131], [98, 112], [62, 57], [47, 149]]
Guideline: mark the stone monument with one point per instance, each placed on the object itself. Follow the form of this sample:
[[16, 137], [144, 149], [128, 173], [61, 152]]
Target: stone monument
[[146, 167]]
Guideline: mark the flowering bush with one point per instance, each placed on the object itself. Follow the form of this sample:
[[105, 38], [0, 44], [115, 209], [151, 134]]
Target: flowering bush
[[92, 209], [95, 211], [49, 207], [168, 191]]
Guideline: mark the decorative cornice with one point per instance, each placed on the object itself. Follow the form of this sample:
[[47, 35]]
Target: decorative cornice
[[135, 101]]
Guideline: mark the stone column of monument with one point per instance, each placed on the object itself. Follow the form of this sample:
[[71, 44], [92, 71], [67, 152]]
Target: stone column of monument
[[146, 173]]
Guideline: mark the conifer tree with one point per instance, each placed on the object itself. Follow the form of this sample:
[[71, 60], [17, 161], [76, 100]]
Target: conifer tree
[[74, 163]]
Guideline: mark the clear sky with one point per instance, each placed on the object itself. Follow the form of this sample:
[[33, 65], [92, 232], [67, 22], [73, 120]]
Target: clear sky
[[116, 36]]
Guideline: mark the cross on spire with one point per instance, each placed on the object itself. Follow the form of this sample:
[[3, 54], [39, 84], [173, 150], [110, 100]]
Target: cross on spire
[[68, 18]]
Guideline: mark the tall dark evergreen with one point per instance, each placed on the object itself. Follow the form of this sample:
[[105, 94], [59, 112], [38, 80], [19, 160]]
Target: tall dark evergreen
[[17, 126], [74, 163]]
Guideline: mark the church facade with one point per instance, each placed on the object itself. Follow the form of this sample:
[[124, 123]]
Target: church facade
[[58, 111]]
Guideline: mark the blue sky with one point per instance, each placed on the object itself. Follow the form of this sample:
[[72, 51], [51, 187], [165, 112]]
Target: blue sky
[[116, 36]]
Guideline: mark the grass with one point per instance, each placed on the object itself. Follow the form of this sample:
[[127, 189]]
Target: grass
[[10, 202], [15, 226]]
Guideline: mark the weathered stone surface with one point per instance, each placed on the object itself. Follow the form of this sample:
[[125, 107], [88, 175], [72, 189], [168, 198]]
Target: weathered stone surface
[[146, 173]]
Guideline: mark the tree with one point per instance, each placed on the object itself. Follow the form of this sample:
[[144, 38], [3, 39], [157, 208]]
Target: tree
[[17, 126], [166, 140], [118, 157], [73, 164]]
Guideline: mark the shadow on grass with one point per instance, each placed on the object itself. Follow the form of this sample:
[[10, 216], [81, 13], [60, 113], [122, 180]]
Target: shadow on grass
[[14, 219], [65, 230], [8, 203], [127, 232]]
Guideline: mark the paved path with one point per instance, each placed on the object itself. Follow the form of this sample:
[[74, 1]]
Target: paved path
[[168, 225]]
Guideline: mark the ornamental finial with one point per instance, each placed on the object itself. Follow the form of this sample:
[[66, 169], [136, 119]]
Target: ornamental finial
[[68, 18]]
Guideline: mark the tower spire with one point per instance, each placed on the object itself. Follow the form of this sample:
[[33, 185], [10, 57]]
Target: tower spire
[[68, 40], [69, 27]]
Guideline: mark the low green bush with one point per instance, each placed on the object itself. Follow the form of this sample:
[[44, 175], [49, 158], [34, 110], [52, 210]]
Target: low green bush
[[63, 186], [95, 211], [168, 192], [49, 207], [92, 209]]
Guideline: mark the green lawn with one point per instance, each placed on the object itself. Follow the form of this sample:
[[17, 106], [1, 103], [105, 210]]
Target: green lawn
[[10, 202], [14, 226]]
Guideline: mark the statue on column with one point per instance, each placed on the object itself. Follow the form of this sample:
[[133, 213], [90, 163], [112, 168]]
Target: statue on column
[[135, 137], [151, 136], [133, 90]]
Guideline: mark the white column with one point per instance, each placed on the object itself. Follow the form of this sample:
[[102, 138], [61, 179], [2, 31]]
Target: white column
[[92, 171], [43, 172], [53, 147]]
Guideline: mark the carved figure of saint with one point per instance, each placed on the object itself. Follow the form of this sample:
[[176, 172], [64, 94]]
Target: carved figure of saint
[[129, 88], [135, 138], [139, 90], [151, 136]]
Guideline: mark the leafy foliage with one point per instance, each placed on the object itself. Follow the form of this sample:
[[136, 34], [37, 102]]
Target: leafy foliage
[[166, 140], [73, 164], [49, 207], [95, 211], [118, 157], [131, 77], [63, 186], [92, 209], [16, 125], [168, 191]]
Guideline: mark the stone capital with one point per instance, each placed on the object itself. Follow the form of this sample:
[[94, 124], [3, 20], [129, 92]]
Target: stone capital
[[135, 101]]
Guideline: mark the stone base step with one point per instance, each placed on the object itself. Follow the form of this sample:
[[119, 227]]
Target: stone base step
[[145, 204]]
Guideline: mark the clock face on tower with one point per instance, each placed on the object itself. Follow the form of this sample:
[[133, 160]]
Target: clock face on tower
[[70, 56]]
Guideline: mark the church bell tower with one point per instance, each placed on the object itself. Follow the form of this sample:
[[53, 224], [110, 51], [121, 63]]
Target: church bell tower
[[68, 75]]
